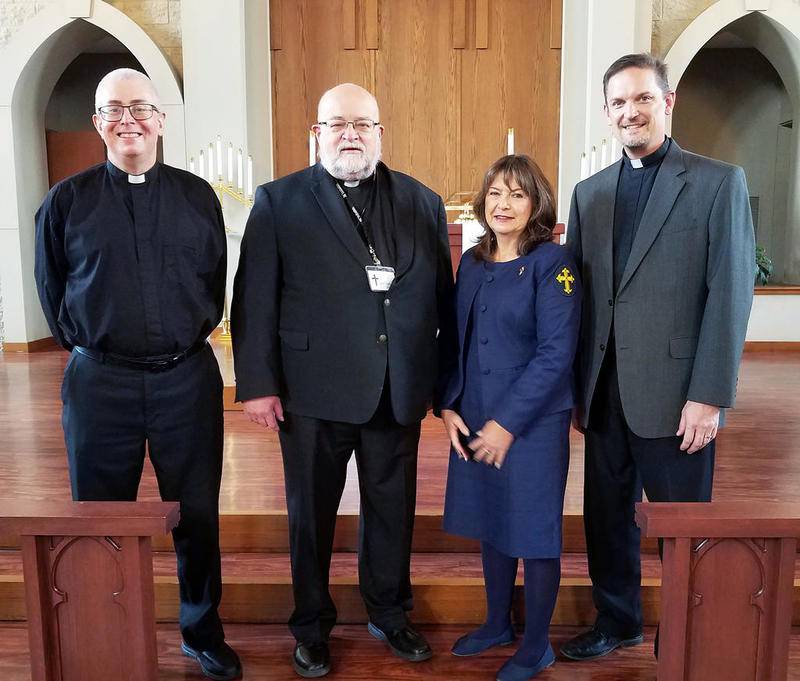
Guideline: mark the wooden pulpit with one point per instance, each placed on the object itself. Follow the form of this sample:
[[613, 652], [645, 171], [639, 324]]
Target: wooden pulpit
[[726, 588], [88, 572]]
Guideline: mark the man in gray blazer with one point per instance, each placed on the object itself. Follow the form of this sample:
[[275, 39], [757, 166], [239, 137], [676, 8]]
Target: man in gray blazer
[[664, 241]]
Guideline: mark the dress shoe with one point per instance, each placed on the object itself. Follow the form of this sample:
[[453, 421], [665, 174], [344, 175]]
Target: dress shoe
[[404, 642], [220, 663], [514, 672], [594, 643], [469, 644], [311, 660]]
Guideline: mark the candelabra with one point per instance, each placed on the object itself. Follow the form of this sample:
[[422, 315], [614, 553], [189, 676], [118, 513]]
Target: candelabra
[[238, 186]]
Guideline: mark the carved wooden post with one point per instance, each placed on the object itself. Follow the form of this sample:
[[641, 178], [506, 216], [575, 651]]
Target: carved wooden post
[[89, 586], [726, 594]]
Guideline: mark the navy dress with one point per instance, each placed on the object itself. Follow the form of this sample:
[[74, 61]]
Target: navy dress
[[518, 325]]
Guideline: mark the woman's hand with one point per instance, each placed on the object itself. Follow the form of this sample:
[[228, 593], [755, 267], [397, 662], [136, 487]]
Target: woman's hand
[[454, 424], [492, 444]]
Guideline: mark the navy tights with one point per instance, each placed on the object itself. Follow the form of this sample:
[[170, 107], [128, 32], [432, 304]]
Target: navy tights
[[542, 576]]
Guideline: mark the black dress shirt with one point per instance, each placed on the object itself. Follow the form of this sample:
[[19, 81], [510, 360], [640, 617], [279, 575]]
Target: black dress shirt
[[133, 269], [372, 200], [635, 183]]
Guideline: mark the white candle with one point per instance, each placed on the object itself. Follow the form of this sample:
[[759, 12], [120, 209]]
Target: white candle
[[613, 149], [230, 164], [510, 141], [210, 162], [593, 161], [239, 171], [312, 148], [219, 158], [603, 154], [202, 166], [249, 175], [584, 167], [191, 165]]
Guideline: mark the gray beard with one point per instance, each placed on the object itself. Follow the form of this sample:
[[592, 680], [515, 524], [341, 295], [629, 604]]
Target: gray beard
[[350, 169]]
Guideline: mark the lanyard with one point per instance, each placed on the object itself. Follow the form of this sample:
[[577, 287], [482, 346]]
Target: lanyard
[[360, 219]]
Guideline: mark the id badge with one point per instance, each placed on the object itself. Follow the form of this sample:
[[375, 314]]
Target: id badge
[[379, 278]]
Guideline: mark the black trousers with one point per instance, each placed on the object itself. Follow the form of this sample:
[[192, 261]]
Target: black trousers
[[618, 465], [315, 456], [109, 414]]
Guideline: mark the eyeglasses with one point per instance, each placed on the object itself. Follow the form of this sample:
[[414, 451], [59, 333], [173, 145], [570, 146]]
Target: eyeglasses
[[361, 125], [114, 112]]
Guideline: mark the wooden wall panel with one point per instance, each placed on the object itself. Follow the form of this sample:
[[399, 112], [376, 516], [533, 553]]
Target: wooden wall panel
[[514, 83], [437, 67], [417, 87], [312, 59]]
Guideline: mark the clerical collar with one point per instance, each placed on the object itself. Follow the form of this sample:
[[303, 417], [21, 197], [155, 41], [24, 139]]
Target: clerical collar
[[350, 184], [650, 159], [121, 175]]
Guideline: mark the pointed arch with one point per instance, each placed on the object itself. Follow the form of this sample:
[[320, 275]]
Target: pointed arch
[[31, 63]]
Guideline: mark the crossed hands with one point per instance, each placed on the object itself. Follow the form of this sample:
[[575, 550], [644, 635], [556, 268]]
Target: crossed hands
[[490, 446]]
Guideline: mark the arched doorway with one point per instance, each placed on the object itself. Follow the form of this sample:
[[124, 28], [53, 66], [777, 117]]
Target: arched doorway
[[32, 63], [762, 55]]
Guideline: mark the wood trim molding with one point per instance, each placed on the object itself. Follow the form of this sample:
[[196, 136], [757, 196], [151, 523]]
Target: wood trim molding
[[371, 24], [459, 25], [777, 290], [556, 9], [772, 346], [39, 345], [349, 28], [481, 24], [275, 25]]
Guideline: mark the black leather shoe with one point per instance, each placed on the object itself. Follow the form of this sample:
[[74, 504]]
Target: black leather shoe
[[405, 642], [594, 643], [220, 663], [311, 660]]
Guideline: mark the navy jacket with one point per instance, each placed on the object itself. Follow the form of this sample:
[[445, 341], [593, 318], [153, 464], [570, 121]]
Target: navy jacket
[[528, 334]]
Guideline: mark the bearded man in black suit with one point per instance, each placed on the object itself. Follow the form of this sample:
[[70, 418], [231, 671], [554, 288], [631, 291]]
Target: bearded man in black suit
[[343, 285]]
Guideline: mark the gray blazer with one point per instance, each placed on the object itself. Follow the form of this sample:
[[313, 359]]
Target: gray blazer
[[681, 312]]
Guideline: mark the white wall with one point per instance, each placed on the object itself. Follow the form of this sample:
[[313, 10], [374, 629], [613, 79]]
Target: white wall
[[775, 318], [595, 33]]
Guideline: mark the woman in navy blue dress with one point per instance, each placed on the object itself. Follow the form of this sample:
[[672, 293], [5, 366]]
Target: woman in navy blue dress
[[507, 406]]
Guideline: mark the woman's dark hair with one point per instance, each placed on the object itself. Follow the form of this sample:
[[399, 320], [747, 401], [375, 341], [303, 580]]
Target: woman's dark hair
[[522, 171]]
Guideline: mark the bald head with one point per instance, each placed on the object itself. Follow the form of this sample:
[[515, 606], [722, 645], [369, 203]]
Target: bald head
[[348, 97], [144, 85]]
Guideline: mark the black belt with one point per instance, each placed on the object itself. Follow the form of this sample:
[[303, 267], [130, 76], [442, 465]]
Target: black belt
[[159, 363]]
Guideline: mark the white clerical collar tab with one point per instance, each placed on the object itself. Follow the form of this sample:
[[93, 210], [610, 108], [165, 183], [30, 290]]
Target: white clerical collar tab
[[137, 179], [352, 184], [636, 163]]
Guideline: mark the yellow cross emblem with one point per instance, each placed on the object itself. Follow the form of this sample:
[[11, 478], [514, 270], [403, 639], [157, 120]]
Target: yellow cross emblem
[[565, 278]]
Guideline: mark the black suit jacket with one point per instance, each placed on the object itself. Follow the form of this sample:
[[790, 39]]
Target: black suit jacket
[[306, 325]]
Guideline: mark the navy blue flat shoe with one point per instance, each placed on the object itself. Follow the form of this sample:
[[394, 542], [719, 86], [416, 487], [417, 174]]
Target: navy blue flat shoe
[[514, 672], [469, 645]]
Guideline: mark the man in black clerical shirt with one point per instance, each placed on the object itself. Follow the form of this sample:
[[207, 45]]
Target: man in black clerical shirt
[[664, 241], [343, 282], [130, 268]]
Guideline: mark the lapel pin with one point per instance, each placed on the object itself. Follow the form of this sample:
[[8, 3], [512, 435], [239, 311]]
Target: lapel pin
[[521, 270]]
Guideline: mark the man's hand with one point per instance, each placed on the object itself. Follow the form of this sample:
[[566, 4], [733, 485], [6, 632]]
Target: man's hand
[[454, 425], [698, 426], [266, 411], [492, 444]]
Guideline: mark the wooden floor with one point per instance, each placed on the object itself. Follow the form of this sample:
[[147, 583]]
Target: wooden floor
[[758, 452], [356, 656], [758, 457]]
